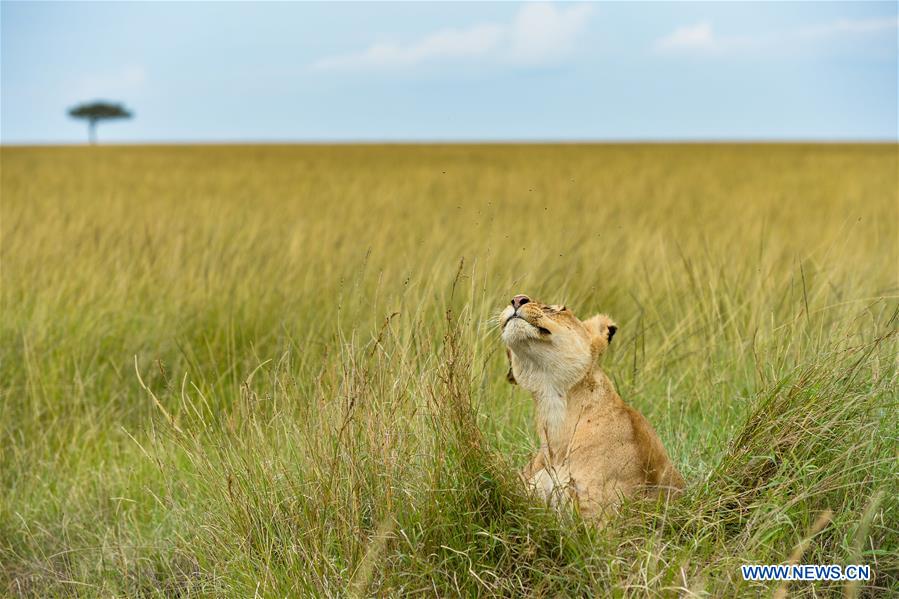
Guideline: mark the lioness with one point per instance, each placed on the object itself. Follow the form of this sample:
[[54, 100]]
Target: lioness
[[594, 448]]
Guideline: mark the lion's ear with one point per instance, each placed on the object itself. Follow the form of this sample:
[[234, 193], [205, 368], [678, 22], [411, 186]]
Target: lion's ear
[[602, 329], [509, 376]]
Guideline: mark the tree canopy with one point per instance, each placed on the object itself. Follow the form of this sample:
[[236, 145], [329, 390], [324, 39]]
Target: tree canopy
[[99, 110], [95, 112]]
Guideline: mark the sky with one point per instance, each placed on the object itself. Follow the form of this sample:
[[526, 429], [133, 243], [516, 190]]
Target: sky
[[377, 71]]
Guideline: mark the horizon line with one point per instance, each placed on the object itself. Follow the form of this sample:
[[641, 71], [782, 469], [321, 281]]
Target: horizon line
[[460, 142]]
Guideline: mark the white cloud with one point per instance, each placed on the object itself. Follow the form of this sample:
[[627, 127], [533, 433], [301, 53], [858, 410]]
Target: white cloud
[[539, 33], [850, 26], [449, 43], [690, 37], [701, 37]]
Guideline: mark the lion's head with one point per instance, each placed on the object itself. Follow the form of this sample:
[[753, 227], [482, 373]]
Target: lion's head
[[549, 345]]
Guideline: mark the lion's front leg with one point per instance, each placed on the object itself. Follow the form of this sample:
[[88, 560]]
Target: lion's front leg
[[553, 485], [536, 464]]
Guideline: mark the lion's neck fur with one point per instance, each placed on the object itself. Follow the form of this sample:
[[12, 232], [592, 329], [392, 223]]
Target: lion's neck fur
[[552, 408], [558, 410]]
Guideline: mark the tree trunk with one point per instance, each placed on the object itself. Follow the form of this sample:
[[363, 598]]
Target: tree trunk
[[92, 131]]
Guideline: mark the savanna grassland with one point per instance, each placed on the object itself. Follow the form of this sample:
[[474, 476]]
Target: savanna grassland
[[275, 370]]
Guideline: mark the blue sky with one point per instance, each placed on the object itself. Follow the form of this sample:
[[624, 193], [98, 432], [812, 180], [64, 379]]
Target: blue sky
[[221, 71]]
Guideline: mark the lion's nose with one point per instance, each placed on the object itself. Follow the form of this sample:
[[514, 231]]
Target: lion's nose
[[520, 300]]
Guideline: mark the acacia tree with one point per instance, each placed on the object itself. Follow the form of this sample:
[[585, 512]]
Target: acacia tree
[[94, 112]]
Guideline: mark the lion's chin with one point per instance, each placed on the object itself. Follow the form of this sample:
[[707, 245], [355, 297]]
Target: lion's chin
[[517, 331]]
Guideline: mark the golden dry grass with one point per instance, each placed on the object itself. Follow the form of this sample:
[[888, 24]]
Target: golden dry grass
[[312, 419]]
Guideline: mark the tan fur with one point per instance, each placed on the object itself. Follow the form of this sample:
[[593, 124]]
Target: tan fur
[[595, 449]]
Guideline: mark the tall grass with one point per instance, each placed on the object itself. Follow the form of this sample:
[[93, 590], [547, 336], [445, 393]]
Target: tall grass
[[228, 371]]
